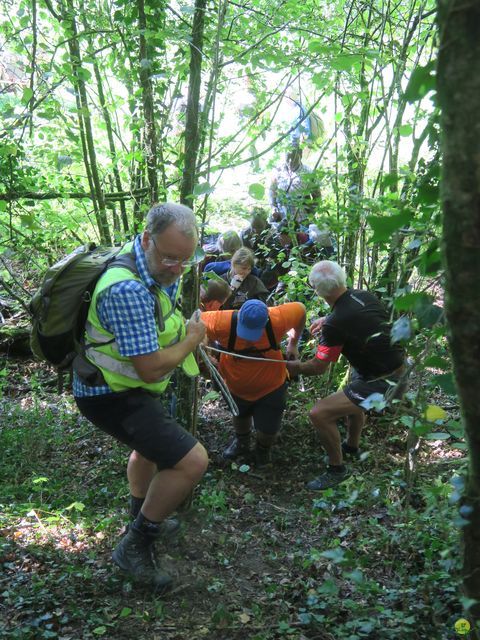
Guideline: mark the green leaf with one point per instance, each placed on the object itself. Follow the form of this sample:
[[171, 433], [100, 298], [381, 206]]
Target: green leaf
[[126, 611], [256, 190], [318, 46], [428, 315], [437, 435], [84, 74], [384, 226], [100, 631], [27, 95], [445, 382], [437, 362], [421, 82], [408, 301], [429, 262], [401, 329], [336, 555], [211, 395], [421, 429], [202, 189], [328, 587], [78, 506], [27, 221], [405, 130], [345, 62], [3, 205]]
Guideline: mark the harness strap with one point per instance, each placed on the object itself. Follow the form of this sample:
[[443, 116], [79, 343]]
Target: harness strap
[[250, 350]]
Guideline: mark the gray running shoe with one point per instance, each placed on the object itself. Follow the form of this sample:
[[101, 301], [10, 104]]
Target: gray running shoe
[[328, 479]]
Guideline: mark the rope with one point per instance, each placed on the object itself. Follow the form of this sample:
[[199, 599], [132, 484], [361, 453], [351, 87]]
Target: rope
[[219, 380], [239, 355]]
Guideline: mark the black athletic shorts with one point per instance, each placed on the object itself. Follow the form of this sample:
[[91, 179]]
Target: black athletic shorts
[[360, 387], [267, 411], [138, 419]]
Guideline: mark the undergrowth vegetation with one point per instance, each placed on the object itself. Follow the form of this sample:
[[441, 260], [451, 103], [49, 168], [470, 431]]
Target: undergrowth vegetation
[[258, 557]]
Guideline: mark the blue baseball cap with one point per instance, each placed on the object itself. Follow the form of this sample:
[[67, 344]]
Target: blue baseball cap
[[252, 318]]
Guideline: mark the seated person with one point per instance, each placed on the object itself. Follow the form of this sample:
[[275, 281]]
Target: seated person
[[243, 284], [259, 389], [221, 268], [213, 294], [253, 235], [224, 249]]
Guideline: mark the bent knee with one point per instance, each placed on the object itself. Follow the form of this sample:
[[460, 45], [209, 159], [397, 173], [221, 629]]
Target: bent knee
[[316, 414], [195, 463], [320, 414]]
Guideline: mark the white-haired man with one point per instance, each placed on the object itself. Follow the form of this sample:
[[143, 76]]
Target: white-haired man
[[358, 327]]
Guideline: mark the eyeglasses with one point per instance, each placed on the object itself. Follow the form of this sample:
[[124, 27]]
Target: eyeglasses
[[184, 264]]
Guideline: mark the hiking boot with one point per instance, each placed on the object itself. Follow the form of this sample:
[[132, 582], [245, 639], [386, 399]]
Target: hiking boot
[[168, 528], [262, 457], [328, 479], [349, 452], [165, 531], [239, 446], [134, 555]]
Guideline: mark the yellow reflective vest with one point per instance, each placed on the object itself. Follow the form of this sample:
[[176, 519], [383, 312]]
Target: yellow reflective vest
[[102, 349]]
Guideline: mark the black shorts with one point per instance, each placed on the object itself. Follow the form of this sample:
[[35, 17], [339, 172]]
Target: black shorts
[[138, 419], [360, 387], [267, 411]]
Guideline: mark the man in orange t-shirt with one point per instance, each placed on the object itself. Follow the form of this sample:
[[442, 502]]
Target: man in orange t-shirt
[[259, 388]]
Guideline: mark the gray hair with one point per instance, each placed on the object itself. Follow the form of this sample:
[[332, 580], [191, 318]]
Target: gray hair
[[326, 276], [161, 216]]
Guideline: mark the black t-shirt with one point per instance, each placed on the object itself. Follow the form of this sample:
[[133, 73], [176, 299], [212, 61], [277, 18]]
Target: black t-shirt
[[358, 327]]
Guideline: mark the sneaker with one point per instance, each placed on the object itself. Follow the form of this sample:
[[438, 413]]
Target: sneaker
[[348, 453], [134, 555], [238, 447], [328, 479]]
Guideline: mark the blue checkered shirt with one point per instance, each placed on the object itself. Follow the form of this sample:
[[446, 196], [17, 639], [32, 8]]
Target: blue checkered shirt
[[127, 310]]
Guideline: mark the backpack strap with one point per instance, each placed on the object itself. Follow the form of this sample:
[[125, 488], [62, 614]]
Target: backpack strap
[[127, 261], [233, 332], [271, 336], [251, 350]]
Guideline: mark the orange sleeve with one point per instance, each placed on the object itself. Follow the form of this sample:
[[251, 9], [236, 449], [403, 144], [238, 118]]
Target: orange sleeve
[[218, 324], [285, 317]]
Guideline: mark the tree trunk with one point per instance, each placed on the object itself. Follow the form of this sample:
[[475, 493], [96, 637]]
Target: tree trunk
[[86, 124], [150, 136], [187, 390], [459, 97]]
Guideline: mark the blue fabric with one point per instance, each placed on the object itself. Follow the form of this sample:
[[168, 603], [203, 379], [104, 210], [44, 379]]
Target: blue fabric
[[127, 310], [218, 267], [221, 268]]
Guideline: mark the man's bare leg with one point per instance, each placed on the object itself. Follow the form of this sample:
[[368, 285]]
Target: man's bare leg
[[140, 472], [355, 424], [324, 416], [169, 487]]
